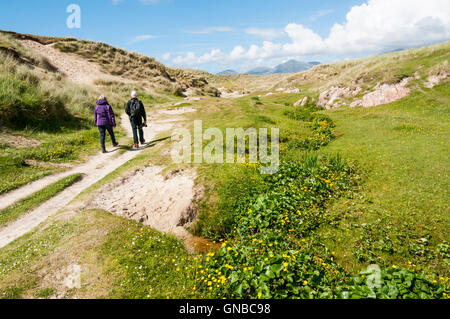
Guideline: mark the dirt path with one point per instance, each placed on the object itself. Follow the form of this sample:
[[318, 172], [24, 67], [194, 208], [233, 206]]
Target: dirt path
[[94, 170]]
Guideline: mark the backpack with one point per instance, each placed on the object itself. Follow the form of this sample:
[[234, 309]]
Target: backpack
[[135, 108]]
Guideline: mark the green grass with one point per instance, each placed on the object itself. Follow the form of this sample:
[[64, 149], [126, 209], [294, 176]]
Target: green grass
[[129, 260], [236, 207], [148, 265], [23, 102], [45, 293], [24, 205], [397, 216], [18, 165], [13, 176], [243, 112], [401, 216]]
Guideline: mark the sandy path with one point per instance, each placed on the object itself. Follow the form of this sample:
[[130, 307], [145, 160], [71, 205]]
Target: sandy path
[[94, 169], [96, 162]]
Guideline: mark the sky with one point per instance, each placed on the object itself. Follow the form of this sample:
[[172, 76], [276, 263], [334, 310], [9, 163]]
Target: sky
[[215, 35]]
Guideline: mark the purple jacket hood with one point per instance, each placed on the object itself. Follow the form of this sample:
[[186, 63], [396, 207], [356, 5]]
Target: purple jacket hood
[[104, 115]]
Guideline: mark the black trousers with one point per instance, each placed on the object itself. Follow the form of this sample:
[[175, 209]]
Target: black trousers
[[136, 126], [102, 130]]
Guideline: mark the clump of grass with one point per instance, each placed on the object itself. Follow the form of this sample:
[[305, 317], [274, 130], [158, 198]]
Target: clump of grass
[[320, 124], [161, 268], [23, 102], [40, 102], [16, 210], [45, 293], [12, 47]]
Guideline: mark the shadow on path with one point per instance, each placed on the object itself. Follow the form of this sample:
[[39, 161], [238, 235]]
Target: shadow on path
[[154, 142], [145, 146]]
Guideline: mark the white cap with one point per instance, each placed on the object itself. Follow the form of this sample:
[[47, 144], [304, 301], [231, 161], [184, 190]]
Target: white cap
[[134, 94]]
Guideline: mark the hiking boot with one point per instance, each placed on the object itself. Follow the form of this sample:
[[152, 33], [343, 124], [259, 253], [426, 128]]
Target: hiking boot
[[143, 142], [115, 144], [104, 151]]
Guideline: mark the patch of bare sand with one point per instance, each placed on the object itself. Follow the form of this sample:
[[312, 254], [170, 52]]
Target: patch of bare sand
[[146, 196], [74, 67], [17, 141], [178, 111]]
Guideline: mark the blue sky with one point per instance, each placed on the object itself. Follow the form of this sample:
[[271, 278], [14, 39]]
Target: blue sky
[[240, 34]]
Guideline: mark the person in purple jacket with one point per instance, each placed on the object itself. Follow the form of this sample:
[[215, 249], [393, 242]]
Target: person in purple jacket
[[105, 121]]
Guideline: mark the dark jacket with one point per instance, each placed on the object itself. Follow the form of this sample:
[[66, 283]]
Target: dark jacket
[[103, 114], [140, 113]]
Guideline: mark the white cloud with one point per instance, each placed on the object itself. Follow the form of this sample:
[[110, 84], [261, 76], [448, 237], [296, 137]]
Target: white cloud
[[320, 14], [373, 27], [304, 40], [141, 38], [189, 59], [237, 52], [383, 24], [166, 56]]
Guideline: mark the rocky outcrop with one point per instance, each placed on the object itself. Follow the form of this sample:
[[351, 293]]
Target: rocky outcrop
[[288, 91], [386, 93], [329, 98], [356, 103], [228, 93], [291, 91], [301, 102], [434, 80]]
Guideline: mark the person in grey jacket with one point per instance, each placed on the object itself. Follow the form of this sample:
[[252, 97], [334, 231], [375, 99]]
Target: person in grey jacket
[[138, 118]]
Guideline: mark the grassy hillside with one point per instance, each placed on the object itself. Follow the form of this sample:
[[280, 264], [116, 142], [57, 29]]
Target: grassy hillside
[[367, 73], [402, 214], [138, 67]]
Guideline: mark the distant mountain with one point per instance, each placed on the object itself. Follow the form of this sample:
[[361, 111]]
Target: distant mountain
[[227, 72], [261, 71], [291, 66]]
